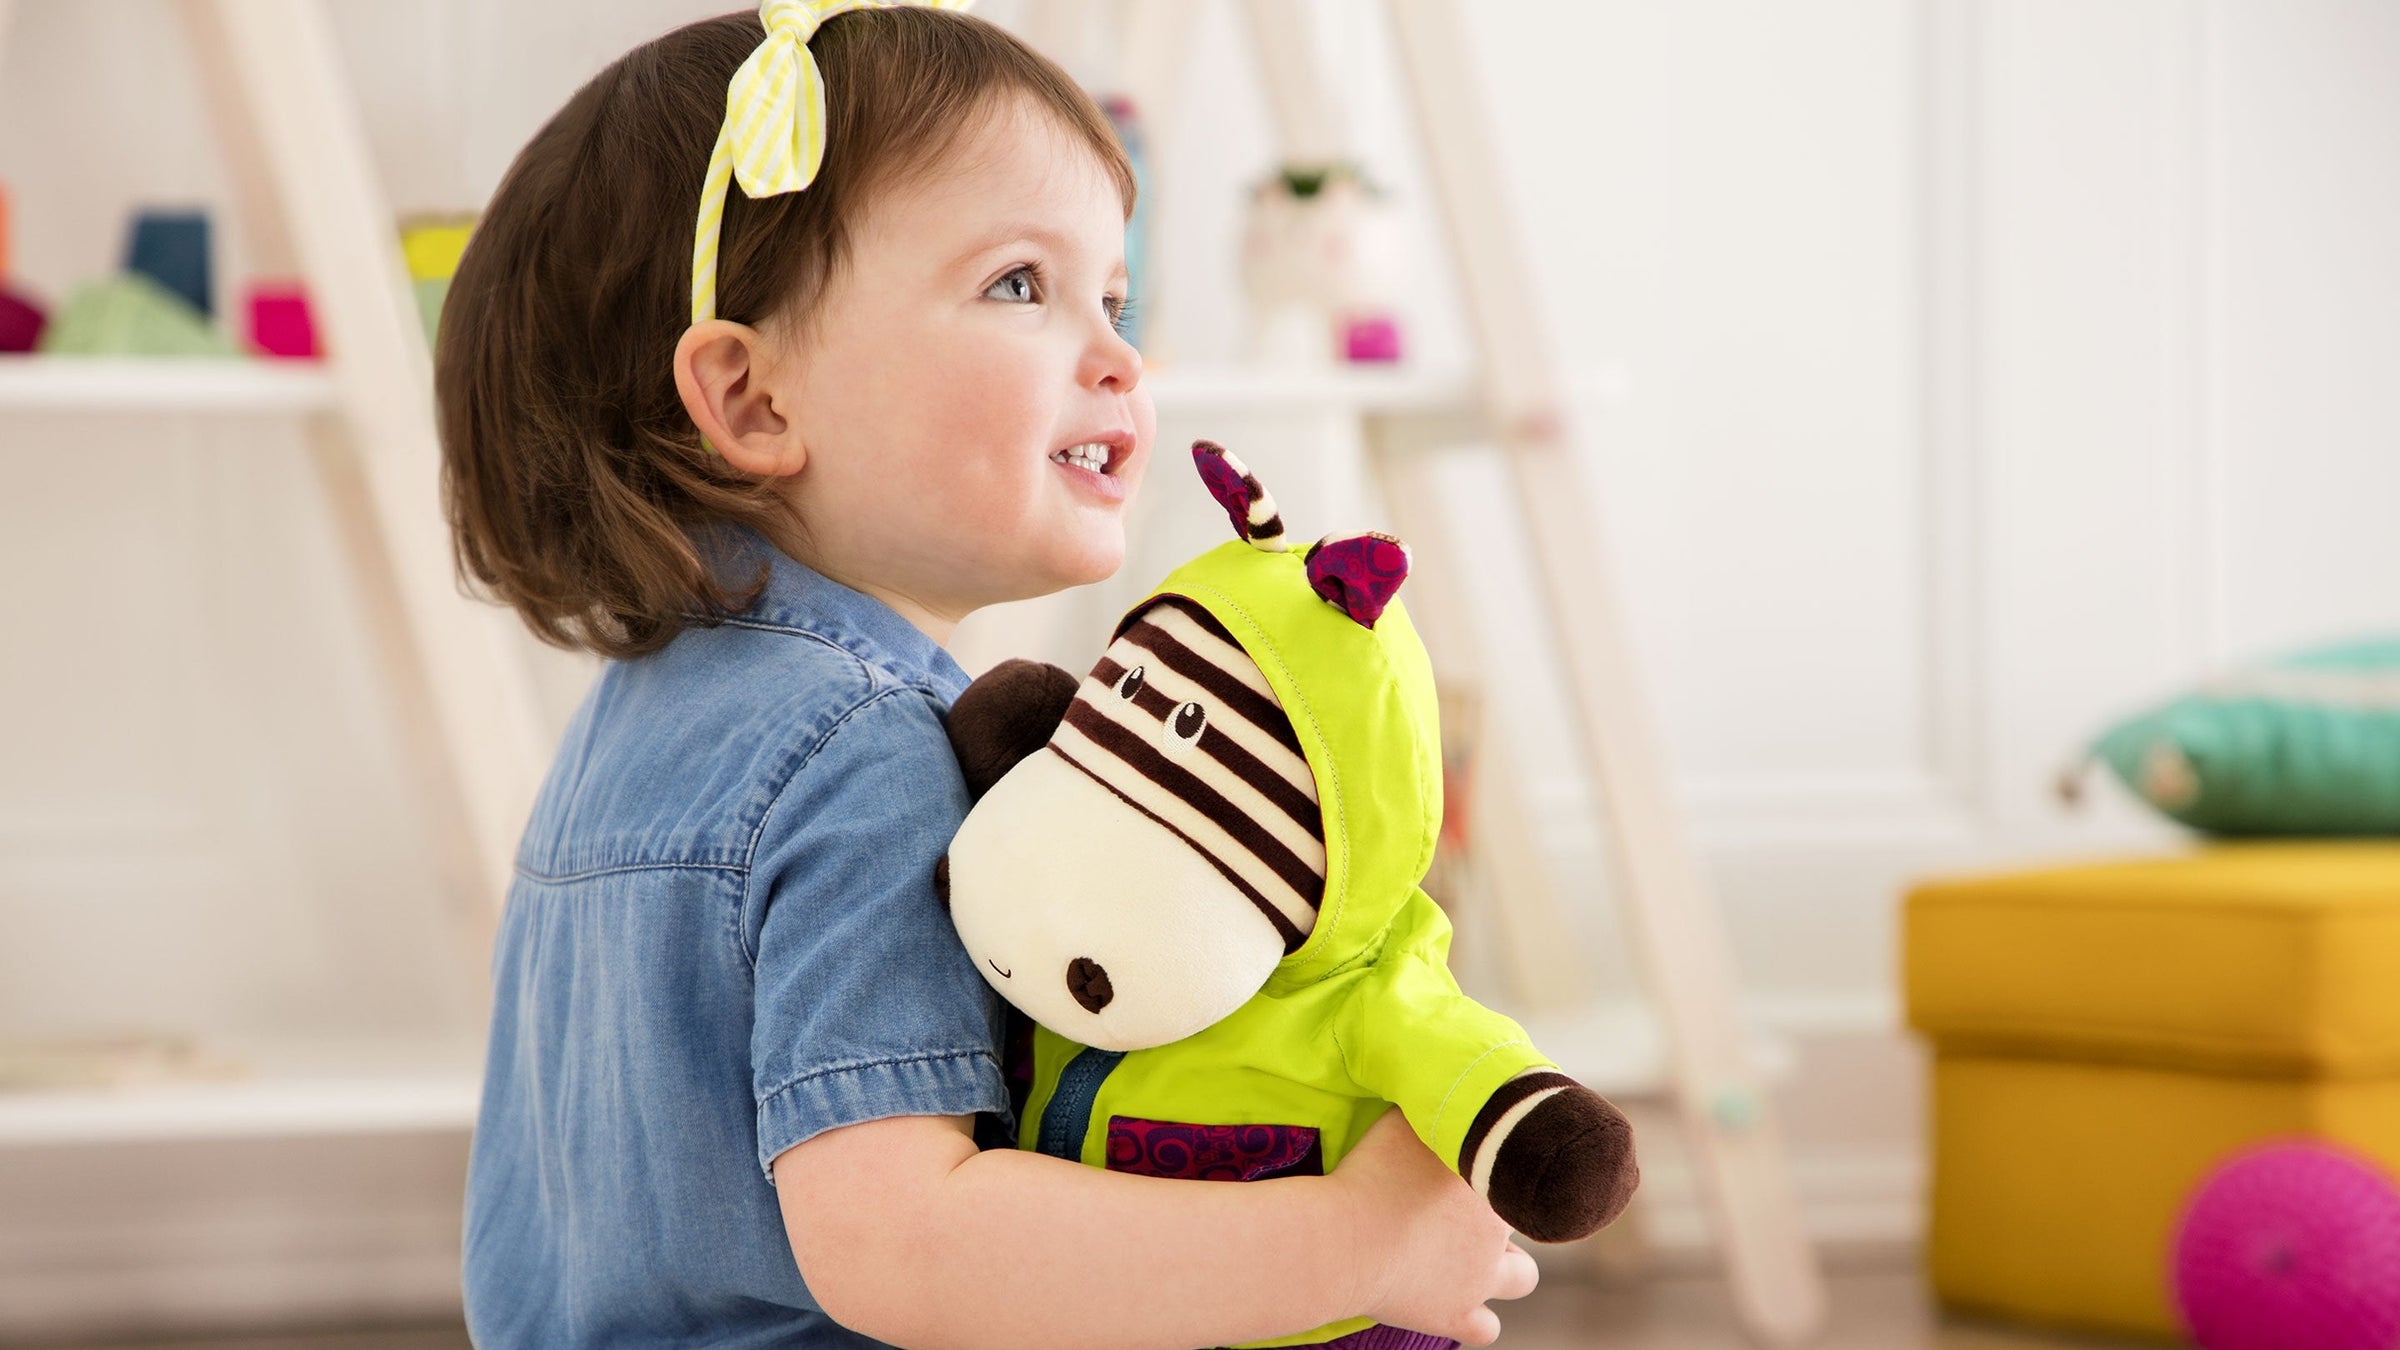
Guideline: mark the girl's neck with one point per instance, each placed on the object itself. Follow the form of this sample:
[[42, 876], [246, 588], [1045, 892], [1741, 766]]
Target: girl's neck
[[932, 618], [926, 619]]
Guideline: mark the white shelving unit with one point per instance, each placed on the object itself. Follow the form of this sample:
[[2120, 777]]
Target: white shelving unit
[[284, 1090], [1232, 390], [274, 1090], [306, 196], [1617, 1048], [1688, 1044], [182, 385]]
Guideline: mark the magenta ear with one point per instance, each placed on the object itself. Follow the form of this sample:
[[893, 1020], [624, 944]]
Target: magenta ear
[[1358, 572], [1237, 490]]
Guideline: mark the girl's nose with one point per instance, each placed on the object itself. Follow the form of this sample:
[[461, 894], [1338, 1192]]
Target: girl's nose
[[1112, 364]]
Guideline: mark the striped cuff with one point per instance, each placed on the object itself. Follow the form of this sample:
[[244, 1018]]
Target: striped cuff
[[1515, 1100]]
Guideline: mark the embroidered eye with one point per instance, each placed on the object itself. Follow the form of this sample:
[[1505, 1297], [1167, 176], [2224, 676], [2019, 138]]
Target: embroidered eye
[[1129, 684], [1184, 726]]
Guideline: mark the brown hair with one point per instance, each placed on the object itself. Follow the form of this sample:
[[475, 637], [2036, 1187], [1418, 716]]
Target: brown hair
[[573, 479]]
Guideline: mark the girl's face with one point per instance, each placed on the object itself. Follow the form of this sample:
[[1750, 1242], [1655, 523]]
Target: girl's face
[[974, 424]]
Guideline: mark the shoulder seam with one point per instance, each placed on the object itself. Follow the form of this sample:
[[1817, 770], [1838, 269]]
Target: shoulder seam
[[876, 674], [877, 692]]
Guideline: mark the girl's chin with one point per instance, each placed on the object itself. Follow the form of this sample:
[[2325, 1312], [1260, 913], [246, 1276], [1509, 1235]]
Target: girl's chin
[[1096, 558], [1097, 568]]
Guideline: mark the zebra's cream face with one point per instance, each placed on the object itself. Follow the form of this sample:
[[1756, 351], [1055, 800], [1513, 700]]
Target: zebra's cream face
[[1140, 876]]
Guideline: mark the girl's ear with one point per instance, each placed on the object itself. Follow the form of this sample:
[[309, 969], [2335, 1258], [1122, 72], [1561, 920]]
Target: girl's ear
[[728, 378], [1009, 712]]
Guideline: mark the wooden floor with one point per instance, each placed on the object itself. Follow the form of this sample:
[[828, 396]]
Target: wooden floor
[[1880, 1311]]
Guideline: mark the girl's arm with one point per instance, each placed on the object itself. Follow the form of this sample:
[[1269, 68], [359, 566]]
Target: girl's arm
[[905, 1232]]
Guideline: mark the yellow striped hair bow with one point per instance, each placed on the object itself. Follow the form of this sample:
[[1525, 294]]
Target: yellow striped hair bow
[[774, 133]]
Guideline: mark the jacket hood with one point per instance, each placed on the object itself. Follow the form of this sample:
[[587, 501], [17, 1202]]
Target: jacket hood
[[1361, 699]]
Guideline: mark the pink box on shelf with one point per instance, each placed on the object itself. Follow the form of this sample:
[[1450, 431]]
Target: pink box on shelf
[[280, 322], [1371, 338]]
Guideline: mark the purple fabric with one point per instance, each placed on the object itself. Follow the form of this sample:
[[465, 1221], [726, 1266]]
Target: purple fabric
[[1360, 573], [1383, 1338], [1164, 1148], [1391, 1338], [1225, 484]]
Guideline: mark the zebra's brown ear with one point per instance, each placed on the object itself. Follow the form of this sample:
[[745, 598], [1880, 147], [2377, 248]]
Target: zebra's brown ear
[[1006, 714]]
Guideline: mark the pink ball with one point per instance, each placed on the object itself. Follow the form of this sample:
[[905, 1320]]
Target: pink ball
[[2291, 1245]]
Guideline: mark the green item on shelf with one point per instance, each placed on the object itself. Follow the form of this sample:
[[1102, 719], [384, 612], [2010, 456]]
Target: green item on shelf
[[431, 291], [2305, 745], [432, 246], [131, 315]]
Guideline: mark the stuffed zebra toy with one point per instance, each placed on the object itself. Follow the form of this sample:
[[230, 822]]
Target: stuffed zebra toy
[[1196, 870]]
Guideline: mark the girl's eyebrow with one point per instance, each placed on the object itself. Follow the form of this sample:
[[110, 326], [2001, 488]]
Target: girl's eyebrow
[[1023, 232], [1013, 232]]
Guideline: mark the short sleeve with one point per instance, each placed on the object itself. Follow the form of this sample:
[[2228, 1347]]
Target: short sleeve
[[867, 1006]]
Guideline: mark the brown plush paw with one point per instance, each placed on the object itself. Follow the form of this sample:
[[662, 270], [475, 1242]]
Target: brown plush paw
[[1559, 1169]]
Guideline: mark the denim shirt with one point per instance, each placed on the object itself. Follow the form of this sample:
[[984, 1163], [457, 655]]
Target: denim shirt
[[722, 939]]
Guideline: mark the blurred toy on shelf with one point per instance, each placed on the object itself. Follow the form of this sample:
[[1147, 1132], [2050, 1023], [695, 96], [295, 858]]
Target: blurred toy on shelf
[[1375, 338], [131, 315], [21, 322], [432, 246], [1322, 263], [172, 249], [21, 316], [129, 1060], [280, 321]]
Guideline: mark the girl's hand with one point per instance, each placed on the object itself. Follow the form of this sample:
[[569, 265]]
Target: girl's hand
[[1430, 1250]]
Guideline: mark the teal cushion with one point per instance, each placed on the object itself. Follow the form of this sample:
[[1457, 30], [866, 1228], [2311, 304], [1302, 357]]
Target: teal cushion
[[2307, 745]]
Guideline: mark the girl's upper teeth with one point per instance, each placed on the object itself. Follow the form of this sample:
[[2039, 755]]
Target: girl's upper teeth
[[1092, 456]]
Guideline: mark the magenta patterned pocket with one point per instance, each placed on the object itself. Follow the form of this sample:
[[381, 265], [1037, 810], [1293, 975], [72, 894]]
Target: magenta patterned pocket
[[1165, 1148]]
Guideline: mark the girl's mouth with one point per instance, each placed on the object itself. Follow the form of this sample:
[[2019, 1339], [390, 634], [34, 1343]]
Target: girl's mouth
[[1092, 465], [1092, 456]]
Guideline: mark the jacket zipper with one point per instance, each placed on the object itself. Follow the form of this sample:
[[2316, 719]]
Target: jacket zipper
[[1068, 1117]]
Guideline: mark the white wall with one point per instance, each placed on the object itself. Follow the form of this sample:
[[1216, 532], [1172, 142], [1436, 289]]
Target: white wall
[[1957, 374]]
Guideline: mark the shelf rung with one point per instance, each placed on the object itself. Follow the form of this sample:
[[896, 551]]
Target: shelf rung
[[197, 384], [1230, 389], [261, 1107]]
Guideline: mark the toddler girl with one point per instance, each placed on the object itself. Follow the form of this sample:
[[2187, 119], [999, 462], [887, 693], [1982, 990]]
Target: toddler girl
[[764, 442]]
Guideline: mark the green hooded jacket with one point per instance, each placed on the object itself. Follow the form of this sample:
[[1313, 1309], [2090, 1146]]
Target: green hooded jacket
[[1365, 1011]]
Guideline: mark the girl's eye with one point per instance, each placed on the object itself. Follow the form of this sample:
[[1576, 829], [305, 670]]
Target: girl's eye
[[1017, 287], [1120, 312], [1184, 725]]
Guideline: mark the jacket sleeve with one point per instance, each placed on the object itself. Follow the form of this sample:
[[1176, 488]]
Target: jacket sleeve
[[1407, 1034]]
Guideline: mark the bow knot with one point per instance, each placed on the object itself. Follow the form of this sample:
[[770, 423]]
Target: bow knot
[[773, 139]]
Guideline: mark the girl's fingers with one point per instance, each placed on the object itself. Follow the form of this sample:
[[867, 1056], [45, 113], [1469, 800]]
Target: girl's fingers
[[1482, 1328], [1518, 1274]]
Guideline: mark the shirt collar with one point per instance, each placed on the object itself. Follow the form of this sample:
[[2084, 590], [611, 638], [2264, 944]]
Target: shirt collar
[[799, 597]]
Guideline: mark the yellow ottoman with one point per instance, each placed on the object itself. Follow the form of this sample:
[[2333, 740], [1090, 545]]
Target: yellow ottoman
[[2104, 1035]]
